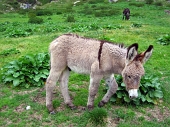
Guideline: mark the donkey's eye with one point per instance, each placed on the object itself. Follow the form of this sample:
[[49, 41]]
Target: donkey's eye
[[129, 76]]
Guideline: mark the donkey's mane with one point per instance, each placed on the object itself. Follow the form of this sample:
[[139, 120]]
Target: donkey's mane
[[121, 45]]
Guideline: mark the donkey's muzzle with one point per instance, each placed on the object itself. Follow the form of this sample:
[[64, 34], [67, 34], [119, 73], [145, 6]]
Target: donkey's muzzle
[[133, 93]]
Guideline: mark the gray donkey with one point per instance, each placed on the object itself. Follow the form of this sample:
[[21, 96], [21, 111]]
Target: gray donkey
[[100, 59]]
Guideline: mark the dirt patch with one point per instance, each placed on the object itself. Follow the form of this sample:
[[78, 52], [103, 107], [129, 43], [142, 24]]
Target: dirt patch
[[25, 92], [3, 108], [39, 98], [112, 122], [20, 108], [158, 113], [36, 116], [167, 12]]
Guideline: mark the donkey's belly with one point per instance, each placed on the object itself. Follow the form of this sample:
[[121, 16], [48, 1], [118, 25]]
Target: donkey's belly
[[81, 70], [81, 62], [80, 65]]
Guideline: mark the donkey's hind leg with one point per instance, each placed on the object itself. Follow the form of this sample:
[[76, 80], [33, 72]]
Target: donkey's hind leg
[[112, 89], [63, 80], [55, 72], [50, 84]]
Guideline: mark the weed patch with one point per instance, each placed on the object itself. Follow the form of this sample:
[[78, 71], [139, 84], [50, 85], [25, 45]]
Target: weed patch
[[70, 18], [164, 40], [9, 52], [35, 20], [28, 70], [139, 4], [149, 91], [97, 116]]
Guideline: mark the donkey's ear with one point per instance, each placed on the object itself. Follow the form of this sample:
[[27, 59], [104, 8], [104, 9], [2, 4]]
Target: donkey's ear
[[131, 52], [147, 54]]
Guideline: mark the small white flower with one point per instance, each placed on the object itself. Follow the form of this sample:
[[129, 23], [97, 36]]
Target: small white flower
[[28, 107]]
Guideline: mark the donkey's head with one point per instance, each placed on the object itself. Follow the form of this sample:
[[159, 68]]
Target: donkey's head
[[127, 16], [134, 69]]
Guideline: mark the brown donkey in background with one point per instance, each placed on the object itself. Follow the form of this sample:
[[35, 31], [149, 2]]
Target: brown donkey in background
[[100, 59], [126, 14]]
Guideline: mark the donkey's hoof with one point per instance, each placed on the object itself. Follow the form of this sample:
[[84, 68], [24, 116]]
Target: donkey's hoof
[[83, 108], [90, 107], [52, 113], [50, 108], [101, 103], [73, 107]]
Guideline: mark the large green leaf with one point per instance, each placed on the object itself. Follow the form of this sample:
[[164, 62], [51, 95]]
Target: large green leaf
[[122, 84], [28, 59], [119, 94], [16, 82], [10, 72], [158, 93], [151, 93], [39, 76], [127, 99], [113, 99], [143, 98], [9, 79], [45, 71], [148, 98], [16, 74], [143, 89]]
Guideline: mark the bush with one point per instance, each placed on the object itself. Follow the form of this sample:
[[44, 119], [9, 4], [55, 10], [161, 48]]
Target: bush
[[35, 20], [15, 29], [158, 3], [23, 11], [164, 40], [87, 10], [43, 12], [9, 52], [149, 1], [167, 5], [149, 91], [102, 13], [14, 4], [4, 26], [136, 4], [58, 12], [70, 18], [68, 8], [137, 25], [137, 15], [45, 1], [95, 1], [97, 116], [29, 70], [31, 14]]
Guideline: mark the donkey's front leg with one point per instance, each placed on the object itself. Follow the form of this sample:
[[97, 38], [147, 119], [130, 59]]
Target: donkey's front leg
[[112, 89], [93, 89]]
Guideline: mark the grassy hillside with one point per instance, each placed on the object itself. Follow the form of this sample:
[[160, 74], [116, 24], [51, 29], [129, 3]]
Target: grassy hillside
[[148, 25]]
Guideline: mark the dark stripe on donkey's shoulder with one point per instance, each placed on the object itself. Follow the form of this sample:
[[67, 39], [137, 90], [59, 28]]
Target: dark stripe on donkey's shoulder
[[100, 51]]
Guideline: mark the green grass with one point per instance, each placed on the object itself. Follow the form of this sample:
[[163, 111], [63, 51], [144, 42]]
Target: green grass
[[154, 23]]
